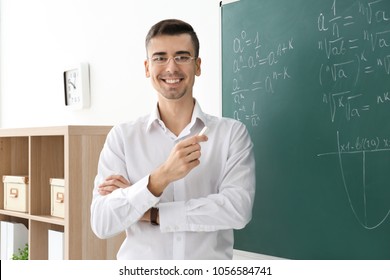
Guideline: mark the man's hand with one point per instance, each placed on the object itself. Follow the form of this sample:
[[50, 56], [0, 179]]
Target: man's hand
[[183, 158], [112, 183]]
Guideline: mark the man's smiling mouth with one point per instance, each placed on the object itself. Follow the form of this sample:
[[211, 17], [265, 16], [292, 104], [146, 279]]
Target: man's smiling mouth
[[172, 81]]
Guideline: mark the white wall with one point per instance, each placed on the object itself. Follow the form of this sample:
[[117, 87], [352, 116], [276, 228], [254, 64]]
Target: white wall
[[41, 38]]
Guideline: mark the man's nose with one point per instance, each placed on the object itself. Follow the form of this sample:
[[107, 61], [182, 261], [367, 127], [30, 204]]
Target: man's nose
[[171, 65]]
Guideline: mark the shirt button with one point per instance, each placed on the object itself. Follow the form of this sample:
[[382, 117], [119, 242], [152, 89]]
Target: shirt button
[[220, 202], [178, 238]]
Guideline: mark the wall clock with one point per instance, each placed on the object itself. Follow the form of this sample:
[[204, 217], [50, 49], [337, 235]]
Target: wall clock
[[76, 86]]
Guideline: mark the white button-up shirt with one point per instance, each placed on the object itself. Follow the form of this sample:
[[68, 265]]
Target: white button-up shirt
[[197, 213]]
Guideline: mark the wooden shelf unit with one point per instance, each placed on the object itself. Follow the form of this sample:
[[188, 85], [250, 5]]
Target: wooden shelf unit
[[69, 152]]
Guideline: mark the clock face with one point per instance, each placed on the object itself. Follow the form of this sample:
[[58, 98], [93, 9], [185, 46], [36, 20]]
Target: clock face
[[76, 87], [72, 87]]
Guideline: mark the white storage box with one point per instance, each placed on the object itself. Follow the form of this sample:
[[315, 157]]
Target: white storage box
[[57, 197], [16, 193]]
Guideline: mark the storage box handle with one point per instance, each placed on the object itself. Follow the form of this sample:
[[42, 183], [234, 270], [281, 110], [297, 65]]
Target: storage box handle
[[60, 197], [13, 192]]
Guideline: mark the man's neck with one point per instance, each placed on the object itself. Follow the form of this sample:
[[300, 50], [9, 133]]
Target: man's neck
[[176, 114]]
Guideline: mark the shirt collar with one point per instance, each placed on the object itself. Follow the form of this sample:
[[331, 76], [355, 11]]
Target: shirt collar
[[196, 114], [154, 118]]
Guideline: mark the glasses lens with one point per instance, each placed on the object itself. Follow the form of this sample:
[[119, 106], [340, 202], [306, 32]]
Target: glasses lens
[[183, 59], [180, 59], [159, 60]]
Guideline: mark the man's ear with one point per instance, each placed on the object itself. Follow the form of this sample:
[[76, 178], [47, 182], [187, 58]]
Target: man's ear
[[197, 65], [146, 64]]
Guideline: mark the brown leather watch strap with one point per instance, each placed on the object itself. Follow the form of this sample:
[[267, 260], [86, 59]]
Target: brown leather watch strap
[[154, 216]]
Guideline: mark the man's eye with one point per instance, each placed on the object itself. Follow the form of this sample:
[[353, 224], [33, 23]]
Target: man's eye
[[182, 58], [159, 59]]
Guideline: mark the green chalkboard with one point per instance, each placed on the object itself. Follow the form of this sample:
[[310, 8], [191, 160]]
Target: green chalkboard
[[311, 81]]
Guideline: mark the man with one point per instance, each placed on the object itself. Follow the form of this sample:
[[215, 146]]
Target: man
[[177, 194]]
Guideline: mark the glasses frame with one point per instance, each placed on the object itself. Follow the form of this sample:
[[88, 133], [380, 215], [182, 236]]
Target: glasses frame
[[159, 63]]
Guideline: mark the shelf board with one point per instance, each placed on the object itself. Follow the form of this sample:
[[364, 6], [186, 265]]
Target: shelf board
[[55, 131], [15, 214], [39, 218], [48, 219]]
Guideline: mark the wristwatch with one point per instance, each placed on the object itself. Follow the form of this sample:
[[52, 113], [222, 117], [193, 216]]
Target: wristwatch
[[154, 216]]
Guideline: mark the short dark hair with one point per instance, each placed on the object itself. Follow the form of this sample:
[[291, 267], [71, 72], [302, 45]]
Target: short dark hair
[[173, 27]]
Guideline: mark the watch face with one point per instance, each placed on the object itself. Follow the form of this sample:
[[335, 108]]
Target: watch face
[[72, 91]]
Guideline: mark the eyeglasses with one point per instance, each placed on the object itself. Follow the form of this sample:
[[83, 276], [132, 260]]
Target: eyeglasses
[[163, 60]]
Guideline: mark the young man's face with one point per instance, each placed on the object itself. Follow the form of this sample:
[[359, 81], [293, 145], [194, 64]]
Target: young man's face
[[172, 81]]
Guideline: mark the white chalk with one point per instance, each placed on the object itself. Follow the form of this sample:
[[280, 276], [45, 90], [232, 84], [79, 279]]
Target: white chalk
[[203, 131]]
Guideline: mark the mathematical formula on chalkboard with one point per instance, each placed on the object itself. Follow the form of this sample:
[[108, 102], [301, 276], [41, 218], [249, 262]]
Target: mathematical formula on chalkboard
[[251, 56], [356, 54], [351, 54]]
